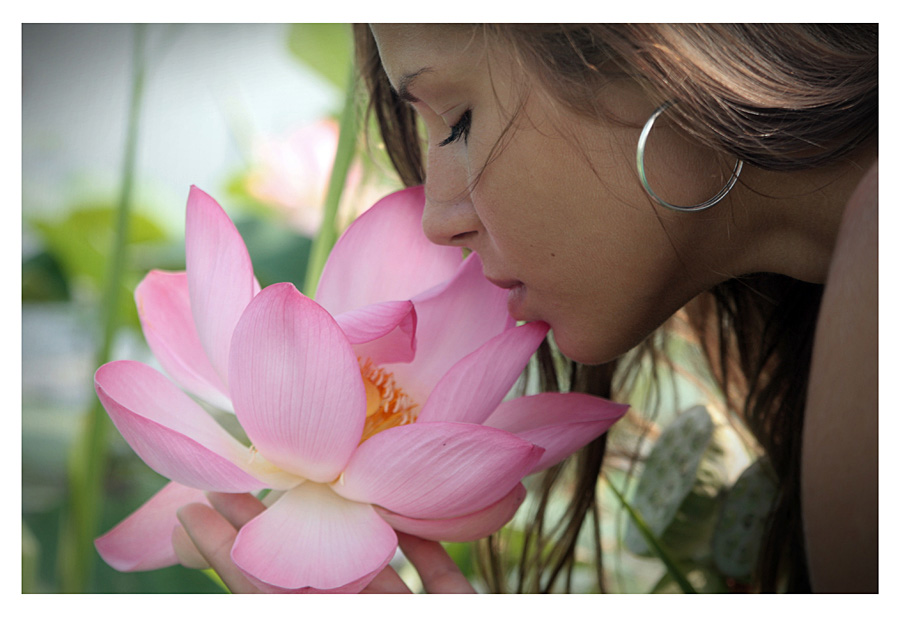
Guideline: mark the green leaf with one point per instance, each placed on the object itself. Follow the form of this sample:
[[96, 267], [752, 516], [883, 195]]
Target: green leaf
[[739, 530], [325, 48], [82, 240], [80, 244], [43, 279]]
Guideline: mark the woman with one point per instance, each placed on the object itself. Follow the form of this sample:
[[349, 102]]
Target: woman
[[609, 176]]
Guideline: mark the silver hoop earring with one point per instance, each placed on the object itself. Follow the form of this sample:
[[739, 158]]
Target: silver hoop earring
[[642, 174]]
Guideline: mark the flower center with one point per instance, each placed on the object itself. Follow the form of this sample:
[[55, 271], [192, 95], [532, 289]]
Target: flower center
[[387, 405]]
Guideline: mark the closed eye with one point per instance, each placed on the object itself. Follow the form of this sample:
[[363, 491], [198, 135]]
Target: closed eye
[[460, 129]]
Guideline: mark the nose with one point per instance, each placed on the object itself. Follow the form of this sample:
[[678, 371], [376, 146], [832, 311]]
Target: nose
[[450, 217]]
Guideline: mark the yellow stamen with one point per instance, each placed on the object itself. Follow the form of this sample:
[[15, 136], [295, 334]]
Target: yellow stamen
[[387, 405]]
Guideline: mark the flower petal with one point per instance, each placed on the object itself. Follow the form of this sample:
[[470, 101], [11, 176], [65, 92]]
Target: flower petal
[[559, 423], [463, 528], [311, 537], [384, 255], [383, 332], [164, 308], [453, 320], [170, 432], [143, 541], [437, 469], [354, 587], [473, 388], [296, 384], [220, 275]]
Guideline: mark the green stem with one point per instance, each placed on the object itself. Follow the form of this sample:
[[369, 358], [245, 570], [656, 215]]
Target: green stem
[[654, 544], [346, 150], [88, 457]]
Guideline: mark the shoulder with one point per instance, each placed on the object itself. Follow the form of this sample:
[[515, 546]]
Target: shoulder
[[849, 312], [851, 289], [860, 220], [848, 318], [840, 441]]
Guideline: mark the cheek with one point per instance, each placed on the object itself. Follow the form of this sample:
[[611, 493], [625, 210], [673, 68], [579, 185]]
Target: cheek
[[528, 189], [575, 225]]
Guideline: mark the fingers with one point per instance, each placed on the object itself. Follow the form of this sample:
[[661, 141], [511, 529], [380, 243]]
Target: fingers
[[238, 509], [438, 572], [387, 581], [214, 536], [187, 553]]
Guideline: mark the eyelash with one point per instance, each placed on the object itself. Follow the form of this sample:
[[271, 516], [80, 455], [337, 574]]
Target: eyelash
[[460, 129]]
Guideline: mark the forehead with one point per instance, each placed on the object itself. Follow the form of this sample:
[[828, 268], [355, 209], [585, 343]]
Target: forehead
[[408, 50]]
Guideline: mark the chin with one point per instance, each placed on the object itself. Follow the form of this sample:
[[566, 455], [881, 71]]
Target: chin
[[584, 350], [579, 349]]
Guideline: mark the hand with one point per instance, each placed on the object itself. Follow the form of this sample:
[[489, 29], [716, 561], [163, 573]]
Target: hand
[[207, 535]]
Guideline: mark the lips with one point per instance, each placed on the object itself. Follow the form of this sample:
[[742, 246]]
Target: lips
[[515, 303], [504, 283]]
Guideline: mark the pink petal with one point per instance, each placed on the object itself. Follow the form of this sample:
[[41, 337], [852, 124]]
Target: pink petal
[[474, 387], [313, 538], [463, 528], [384, 255], [165, 310], [454, 320], [170, 432], [354, 587], [383, 332], [296, 384], [220, 275], [143, 541], [437, 469], [559, 423]]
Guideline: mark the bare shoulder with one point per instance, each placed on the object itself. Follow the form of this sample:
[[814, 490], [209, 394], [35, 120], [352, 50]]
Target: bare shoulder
[[840, 441]]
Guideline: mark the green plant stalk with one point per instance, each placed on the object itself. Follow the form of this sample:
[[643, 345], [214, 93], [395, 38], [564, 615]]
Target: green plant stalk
[[654, 544], [346, 150], [88, 458], [214, 577]]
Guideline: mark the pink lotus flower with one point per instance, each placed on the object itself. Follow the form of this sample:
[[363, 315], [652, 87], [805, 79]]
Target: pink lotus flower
[[291, 174], [360, 438], [188, 319]]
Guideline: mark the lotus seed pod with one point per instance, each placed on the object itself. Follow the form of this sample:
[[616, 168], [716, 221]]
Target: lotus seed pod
[[670, 474], [689, 535], [742, 520]]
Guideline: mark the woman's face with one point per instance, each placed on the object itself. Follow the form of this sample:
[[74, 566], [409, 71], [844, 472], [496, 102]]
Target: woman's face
[[557, 214]]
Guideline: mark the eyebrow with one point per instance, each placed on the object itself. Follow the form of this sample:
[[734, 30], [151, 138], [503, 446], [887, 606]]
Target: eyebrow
[[406, 81]]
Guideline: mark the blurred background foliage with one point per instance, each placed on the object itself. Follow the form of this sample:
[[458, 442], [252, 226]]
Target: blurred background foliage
[[250, 114]]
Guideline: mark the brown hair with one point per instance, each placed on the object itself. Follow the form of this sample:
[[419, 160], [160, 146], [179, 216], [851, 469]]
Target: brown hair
[[779, 97]]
